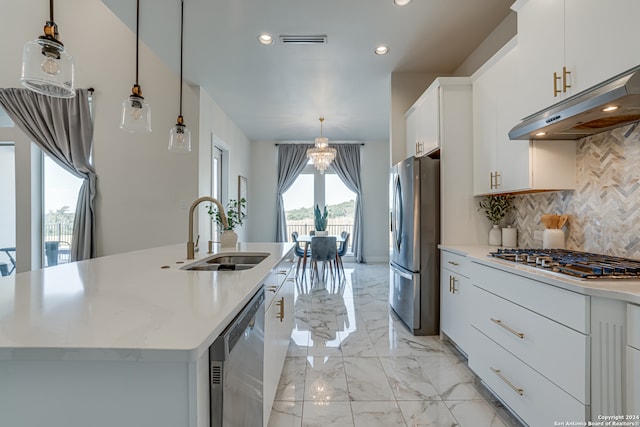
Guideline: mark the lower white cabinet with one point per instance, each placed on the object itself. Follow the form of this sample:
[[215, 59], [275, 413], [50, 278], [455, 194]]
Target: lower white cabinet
[[530, 345], [454, 299], [633, 360], [278, 324]]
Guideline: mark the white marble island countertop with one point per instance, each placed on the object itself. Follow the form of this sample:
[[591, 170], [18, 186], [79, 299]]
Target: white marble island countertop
[[126, 305], [621, 289]]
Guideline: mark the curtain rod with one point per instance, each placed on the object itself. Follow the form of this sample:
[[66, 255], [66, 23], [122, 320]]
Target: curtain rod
[[311, 143]]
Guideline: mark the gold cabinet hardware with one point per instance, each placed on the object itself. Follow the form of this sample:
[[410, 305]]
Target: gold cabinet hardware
[[290, 279], [280, 315], [565, 86], [491, 180], [453, 263], [556, 91], [272, 288], [494, 183], [506, 381], [502, 325], [452, 281], [285, 272]]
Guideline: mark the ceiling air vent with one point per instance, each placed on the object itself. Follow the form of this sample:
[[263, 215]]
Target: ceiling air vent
[[304, 39]]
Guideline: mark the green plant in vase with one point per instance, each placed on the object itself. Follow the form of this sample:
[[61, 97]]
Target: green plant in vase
[[495, 208], [235, 214], [321, 219]]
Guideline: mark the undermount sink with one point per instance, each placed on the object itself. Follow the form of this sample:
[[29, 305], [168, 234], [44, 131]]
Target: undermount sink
[[228, 261]]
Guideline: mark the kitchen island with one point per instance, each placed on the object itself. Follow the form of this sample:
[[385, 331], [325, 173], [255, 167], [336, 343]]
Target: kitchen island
[[118, 340]]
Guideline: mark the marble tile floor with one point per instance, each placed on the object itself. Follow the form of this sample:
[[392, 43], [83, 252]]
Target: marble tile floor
[[351, 362]]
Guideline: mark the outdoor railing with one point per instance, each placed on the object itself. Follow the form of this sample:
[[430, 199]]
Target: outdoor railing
[[332, 229], [57, 238]]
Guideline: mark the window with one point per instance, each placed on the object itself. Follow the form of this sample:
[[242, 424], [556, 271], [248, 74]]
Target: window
[[7, 207], [311, 188], [60, 199]]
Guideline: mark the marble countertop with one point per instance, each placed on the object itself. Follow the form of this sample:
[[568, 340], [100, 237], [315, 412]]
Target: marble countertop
[[624, 289], [133, 305]]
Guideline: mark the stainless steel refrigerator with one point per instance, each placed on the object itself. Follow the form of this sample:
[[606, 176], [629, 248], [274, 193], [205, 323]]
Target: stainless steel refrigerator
[[414, 291]]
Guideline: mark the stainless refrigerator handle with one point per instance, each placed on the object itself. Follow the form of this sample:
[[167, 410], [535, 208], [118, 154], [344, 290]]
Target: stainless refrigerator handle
[[401, 273]]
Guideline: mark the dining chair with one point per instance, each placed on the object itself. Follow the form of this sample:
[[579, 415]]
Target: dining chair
[[342, 250], [299, 251], [323, 249]]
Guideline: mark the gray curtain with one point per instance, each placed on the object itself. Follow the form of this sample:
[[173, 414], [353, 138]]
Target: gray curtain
[[347, 167], [292, 158], [63, 129]]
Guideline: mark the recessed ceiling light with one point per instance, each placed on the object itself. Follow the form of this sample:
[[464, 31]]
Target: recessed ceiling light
[[265, 38], [401, 2], [541, 134], [382, 50], [611, 108]]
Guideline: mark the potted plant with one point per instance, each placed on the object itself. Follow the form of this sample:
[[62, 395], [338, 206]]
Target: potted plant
[[495, 208], [321, 221], [235, 214]]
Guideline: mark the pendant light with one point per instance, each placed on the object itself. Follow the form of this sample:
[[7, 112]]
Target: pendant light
[[47, 67], [321, 154], [180, 136], [136, 114]]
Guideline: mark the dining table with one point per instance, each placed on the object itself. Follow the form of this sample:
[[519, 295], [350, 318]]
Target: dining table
[[306, 239]]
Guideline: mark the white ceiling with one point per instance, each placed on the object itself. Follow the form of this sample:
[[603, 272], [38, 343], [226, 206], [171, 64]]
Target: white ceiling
[[278, 92]]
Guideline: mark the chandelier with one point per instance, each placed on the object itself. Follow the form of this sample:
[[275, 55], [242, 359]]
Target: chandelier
[[321, 154]]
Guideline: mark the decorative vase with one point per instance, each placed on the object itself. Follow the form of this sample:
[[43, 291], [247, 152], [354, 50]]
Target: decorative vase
[[322, 233], [228, 239], [510, 237], [495, 236]]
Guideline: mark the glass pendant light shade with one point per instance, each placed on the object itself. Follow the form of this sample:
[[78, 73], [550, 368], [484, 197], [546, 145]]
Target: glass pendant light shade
[[47, 67], [180, 137], [136, 114]]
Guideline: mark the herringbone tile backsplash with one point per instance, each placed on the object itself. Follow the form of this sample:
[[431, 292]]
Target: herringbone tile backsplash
[[604, 210]]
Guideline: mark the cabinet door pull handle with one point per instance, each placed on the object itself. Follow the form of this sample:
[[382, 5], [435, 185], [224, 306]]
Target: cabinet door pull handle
[[272, 288], [506, 381], [556, 91], [497, 180], [280, 315], [502, 325], [453, 285], [565, 86], [453, 263], [491, 180], [450, 283], [283, 272]]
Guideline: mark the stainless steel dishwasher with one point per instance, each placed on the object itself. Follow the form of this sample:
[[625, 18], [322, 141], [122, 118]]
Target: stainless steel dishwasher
[[236, 369]]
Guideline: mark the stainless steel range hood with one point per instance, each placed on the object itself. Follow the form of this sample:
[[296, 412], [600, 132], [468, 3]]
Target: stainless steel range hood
[[611, 104]]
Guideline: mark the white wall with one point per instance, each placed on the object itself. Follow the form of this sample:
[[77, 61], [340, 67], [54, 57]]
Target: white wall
[[375, 197], [143, 189], [217, 127]]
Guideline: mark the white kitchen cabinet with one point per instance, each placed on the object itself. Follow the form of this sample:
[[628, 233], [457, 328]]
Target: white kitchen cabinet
[[278, 324], [633, 360], [423, 122], [518, 327], [501, 165], [454, 299], [571, 45]]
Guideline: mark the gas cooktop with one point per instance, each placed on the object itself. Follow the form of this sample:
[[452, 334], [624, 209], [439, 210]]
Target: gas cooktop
[[582, 265]]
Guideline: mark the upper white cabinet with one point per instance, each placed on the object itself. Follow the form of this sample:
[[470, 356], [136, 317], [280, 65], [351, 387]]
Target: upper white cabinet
[[423, 123], [501, 165], [571, 45]]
